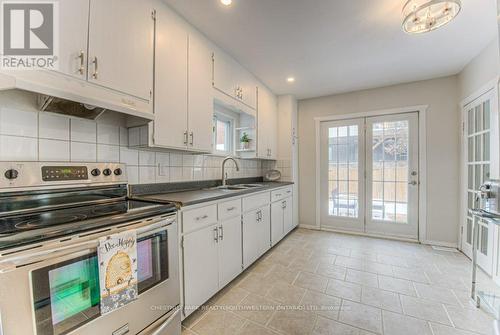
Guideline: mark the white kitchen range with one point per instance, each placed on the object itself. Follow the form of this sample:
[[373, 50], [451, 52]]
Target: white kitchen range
[[249, 167]]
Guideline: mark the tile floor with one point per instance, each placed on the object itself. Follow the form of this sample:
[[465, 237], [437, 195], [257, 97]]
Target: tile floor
[[321, 283]]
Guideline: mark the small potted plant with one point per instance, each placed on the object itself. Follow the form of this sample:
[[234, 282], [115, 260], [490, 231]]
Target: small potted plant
[[245, 141]]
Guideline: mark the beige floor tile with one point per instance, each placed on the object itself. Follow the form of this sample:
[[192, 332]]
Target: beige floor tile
[[256, 284], [471, 320], [425, 309], [293, 322], [414, 275], [378, 268], [304, 265], [396, 285], [344, 290], [286, 293], [218, 323], [351, 263], [330, 327], [362, 316], [322, 304], [437, 294], [332, 271], [392, 260], [232, 297], [438, 329], [382, 299], [362, 278], [251, 328], [196, 316], [397, 324], [261, 268], [282, 273], [256, 308], [186, 331], [339, 251], [311, 281]]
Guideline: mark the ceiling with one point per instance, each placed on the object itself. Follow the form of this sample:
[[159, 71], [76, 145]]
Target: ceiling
[[336, 46]]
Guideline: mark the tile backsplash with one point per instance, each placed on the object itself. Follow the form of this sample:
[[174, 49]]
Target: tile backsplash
[[28, 135]]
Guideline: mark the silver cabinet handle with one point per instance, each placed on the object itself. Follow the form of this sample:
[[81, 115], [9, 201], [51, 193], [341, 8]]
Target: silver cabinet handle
[[191, 136], [283, 204], [231, 209], [81, 55], [216, 234], [202, 217], [413, 183], [96, 68], [221, 233], [186, 137]]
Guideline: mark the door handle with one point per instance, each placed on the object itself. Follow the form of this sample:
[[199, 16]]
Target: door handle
[[81, 55], [216, 235], [186, 137], [96, 68], [221, 233], [191, 136]]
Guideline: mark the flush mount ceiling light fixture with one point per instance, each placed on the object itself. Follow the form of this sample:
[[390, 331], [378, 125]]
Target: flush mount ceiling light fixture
[[226, 2], [421, 16], [290, 79]]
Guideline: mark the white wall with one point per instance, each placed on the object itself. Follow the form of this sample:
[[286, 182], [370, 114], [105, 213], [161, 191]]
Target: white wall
[[482, 69], [28, 135], [443, 145]]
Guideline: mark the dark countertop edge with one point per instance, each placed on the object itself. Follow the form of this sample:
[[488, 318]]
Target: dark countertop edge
[[273, 185]]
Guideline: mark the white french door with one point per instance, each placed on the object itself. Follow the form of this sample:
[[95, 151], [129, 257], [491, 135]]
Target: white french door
[[477, 151], [369, 175]]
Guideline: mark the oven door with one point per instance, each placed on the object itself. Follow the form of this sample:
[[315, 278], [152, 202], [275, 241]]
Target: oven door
[[65, 296]]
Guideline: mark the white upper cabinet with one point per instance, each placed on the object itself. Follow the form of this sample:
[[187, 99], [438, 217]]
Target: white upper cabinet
[[121, 38], [267, 124], [232, 79], [200, 98], [74, 21], [171, 80]]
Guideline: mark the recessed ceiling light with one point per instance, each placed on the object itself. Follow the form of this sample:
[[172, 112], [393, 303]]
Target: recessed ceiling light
[[290, 79], [226, 2]]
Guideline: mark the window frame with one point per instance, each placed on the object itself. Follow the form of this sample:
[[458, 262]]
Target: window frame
[[222, 117]]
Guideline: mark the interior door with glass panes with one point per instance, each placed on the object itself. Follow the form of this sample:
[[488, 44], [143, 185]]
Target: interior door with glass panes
[[392, 175], [477, 150], [342, 175]]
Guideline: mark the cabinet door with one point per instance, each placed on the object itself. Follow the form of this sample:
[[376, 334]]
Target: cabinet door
[[201, 272], [267, 123], [201, 105], [223, 73], [73, 35], [265, 230], [121, 37], [277, 230], [230, 250], [171, 75], [288, 215], [251, 237], [248, 85]]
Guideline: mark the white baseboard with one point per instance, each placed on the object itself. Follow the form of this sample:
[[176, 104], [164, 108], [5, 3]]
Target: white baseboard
[[441, 244], [308, 226]]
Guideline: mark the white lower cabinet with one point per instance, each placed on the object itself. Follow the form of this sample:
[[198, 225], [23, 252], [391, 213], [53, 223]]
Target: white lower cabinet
[[288, 222], [281, 219], [256, 234], [201, 269], [229, 250]]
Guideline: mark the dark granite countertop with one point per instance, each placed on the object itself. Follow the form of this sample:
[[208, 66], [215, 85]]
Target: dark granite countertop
[[187, 194]]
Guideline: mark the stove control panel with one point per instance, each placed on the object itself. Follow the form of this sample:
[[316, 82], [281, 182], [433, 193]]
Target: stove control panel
[[60, 173]]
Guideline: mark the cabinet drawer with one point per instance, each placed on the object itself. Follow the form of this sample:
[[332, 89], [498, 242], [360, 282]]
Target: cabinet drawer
[[229, 209], [255, 201], [281, 193], [199, 217]]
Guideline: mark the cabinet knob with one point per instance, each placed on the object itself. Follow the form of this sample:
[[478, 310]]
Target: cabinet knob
[[11, 174]]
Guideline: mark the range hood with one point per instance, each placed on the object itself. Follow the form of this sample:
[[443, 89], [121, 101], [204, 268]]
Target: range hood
[[47, 103]]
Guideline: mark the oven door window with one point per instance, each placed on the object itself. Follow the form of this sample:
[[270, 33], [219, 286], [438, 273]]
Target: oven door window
[[66, 295]]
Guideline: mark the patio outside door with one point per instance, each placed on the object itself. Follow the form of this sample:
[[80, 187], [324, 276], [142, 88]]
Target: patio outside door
[[369, 175]]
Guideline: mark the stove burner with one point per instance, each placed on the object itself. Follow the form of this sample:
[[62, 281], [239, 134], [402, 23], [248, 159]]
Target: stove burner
[[45, 219]]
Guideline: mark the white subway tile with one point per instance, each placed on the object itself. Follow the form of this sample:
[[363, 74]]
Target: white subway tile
[[198, 173], [18, 123], [53, 150], [187, 173], [15, 148], [198, 160], [83, 131], [108, 134], [129, 156], [175, 174], [187, 160], [83, 152], [134, 137], [162, 174], [108, 153], [123, 137], [176, 160], [162, 159], [133, 174], [147, 174], [146, 158], [54, 127]]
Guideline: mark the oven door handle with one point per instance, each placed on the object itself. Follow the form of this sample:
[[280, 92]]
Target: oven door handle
[[168, 323]]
